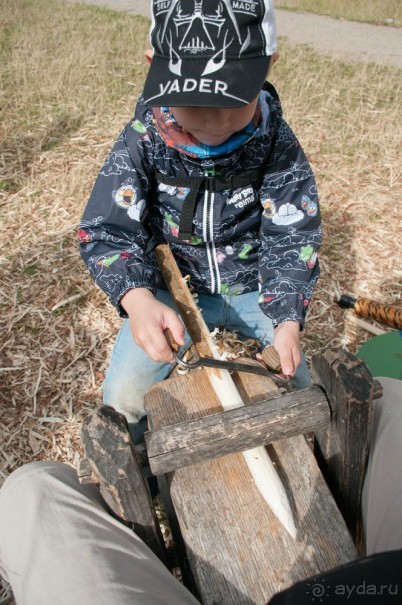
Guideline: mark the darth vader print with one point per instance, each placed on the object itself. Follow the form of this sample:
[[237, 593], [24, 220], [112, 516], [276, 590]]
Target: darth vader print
[[209, 48]]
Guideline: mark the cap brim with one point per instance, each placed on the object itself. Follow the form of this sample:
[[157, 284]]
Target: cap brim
[[236, 84]]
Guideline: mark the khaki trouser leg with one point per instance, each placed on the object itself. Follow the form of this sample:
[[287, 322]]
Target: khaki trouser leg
[[58, 544], [382, 492]]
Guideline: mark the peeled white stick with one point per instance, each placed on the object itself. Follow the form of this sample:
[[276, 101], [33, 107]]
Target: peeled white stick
[[259, 463], [270, 486]]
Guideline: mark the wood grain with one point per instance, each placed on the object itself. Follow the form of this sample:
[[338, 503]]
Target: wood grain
[[342, 447], [239, 552], [236, 430], [117, 468]]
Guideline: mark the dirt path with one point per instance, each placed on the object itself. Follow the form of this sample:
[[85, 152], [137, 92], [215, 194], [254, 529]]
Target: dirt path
[[344, 39], [347, 40]]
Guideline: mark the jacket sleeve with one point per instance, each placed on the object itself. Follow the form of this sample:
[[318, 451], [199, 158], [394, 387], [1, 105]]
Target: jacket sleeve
[[290, 230], [113, 232]]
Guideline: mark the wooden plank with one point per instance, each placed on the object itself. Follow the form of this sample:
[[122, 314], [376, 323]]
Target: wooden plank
[[85, 474], [236, 430], [362, 323], [109, 450], [238, 550], [342, 447]]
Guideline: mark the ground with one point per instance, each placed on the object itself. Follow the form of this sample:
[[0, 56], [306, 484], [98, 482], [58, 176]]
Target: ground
[[58, 329]]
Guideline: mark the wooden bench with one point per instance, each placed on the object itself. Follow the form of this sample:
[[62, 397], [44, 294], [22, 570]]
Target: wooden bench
[[232, 548]]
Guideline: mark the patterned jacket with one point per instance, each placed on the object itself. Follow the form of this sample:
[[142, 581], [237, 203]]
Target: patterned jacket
[[261, 236]]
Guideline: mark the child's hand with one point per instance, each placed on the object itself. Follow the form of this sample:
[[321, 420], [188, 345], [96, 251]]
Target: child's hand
[[148, 320], [287, 343]]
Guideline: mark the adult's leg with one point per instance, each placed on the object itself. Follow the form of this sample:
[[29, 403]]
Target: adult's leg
[[382, 491], [58, 544]]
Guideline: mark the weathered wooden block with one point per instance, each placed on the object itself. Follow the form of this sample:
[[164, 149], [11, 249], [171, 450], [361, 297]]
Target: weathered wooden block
[[238, 550], [237, 430], [117, 468], [342, 447]]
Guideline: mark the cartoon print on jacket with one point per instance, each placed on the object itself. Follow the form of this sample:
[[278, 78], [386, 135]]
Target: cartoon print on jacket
[[309, 255], [306, 252], [179, 192], [117, 163], [242, 197], [174, 230], [287, 214], [310, 207], [258, 237], [139, 127], [83, 236], [127, 197], [106, 261], [295, 173], [269, 207]]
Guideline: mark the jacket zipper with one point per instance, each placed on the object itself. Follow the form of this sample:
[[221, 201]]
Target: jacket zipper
[[208, 234]]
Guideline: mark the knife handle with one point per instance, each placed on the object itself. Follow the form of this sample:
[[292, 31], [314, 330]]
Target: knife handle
[[171, 341], [270, 357]]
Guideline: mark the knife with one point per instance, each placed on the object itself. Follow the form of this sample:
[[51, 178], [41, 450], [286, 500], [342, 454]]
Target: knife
[[224, 364]]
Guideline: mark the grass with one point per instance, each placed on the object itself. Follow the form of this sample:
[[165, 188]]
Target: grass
[[59, 70], [70, 77], [388, 12]]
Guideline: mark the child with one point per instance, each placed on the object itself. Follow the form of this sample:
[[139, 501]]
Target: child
[[208, 165]]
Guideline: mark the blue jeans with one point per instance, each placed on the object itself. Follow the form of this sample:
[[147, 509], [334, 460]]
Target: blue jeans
[[131, 372]]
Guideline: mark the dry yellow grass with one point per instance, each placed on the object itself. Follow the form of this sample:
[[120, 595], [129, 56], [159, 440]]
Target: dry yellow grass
[[348, 119], [70, 75], [388, 12]]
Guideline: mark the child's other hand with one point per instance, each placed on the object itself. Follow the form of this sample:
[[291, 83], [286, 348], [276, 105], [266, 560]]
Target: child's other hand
[[287, 343], [148, 320]]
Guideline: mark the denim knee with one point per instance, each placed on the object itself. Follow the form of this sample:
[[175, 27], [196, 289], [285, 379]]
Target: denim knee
[[129, 375]]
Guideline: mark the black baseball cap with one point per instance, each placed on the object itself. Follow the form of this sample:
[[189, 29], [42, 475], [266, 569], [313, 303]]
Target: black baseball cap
[[209, 53]]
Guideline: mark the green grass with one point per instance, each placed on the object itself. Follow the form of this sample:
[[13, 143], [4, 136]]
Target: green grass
[[387, 12], [30, 270]]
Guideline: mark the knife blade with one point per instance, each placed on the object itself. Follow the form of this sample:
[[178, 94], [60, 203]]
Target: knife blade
[[231, 366]]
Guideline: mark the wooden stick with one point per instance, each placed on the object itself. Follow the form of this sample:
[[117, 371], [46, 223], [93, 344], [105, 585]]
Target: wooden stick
[[270, 357], [260, 465], [350, 316], [189, 312]]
